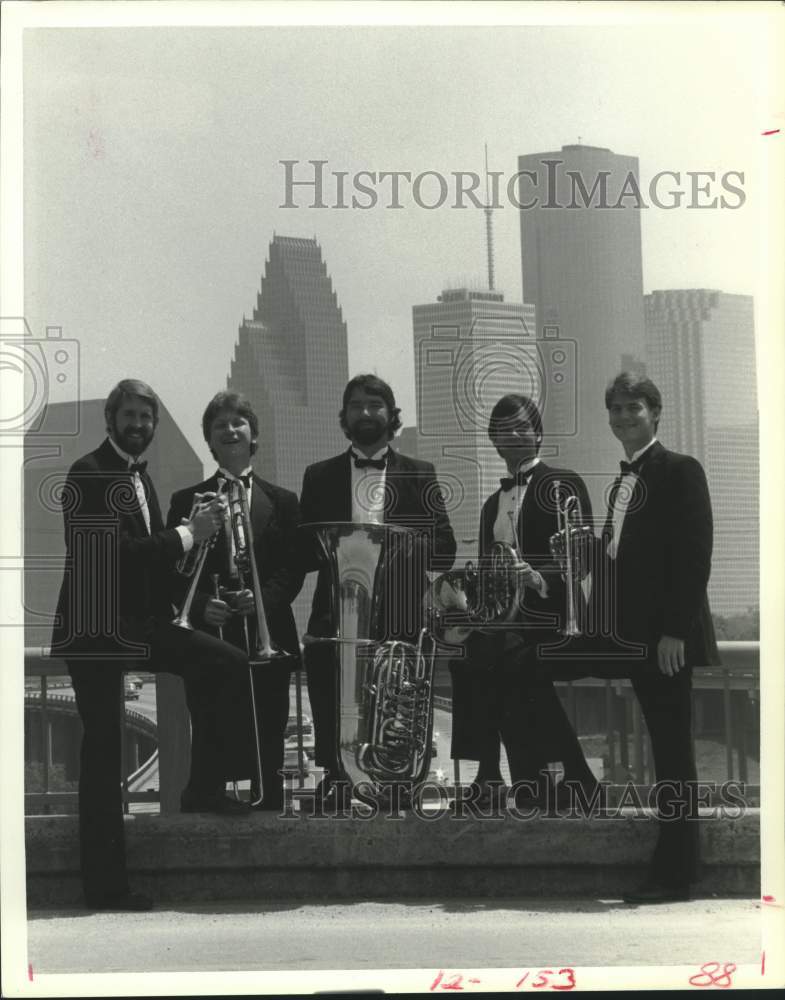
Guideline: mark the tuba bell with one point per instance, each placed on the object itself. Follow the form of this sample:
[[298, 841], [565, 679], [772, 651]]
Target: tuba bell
[[384, 687]]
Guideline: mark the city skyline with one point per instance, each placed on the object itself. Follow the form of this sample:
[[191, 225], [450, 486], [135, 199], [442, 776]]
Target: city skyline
[[138, 247]]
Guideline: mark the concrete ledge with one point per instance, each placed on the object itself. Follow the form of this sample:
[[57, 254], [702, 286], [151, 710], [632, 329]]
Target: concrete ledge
[[264, 856]]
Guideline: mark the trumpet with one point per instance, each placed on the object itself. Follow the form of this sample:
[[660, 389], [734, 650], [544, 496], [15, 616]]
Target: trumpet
[[565, 545], [192, 562]]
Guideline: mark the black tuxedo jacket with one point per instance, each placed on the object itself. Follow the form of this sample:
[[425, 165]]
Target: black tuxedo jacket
[[538, 618], [274, 521], [117, 575], [657, 584], [415, 501]]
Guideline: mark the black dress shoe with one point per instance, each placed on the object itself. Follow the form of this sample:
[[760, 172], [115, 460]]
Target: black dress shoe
[[130, 902], [223, 805], [656, 892], [268, 805], [330, 796]]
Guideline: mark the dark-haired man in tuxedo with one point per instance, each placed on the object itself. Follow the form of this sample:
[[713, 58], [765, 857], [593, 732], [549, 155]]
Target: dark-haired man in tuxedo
[[502, 692], [370, 482], [231, 428], [114, 612], [656, 559]]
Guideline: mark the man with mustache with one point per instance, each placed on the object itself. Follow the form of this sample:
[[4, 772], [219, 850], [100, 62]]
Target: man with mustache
[[114, 611], [370, 482]]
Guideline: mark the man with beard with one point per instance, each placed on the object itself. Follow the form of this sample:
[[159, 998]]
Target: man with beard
[[231, 427], [369, 482], [114, 613], [502, 691]]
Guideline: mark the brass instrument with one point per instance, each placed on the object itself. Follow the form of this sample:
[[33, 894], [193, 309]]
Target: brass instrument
[[476, 597], [565, 545], [245, 562], [192, 562], [384, 688]]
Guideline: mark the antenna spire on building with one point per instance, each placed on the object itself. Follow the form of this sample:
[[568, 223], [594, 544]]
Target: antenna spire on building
[[488, 223]]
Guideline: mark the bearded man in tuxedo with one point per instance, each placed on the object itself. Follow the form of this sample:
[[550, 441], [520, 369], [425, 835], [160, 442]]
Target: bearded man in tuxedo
[[113, 614], [369, 482]]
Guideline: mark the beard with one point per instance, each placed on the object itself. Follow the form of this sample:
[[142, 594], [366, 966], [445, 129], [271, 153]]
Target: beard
[[132, 445], [368, 432]]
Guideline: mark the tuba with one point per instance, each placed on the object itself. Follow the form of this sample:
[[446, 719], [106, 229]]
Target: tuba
[[384, 688], [567, 545]]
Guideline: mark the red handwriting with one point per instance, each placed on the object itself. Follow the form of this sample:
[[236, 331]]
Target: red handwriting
[[455, 981], [30, 972], [542, 979], [768, 899], [763, 963], [564, 980], [772, 131], [710, 975]]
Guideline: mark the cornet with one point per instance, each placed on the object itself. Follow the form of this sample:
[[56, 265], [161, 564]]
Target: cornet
[[192, 562]]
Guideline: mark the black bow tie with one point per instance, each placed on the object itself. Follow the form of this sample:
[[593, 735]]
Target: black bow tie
[[519, 479], [245, 480], [137, 467], [631, 466], [370, 463]]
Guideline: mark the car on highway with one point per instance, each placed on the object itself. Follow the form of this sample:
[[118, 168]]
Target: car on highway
[[132, 685], [290, 736]]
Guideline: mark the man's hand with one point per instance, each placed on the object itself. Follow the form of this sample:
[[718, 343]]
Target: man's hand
[[206, 521], [527, 576], [245, 604], [670, 655], [216, 612]]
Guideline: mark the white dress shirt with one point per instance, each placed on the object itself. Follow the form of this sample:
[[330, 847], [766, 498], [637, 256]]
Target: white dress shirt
[[508, 515], [368, 489], [230, 477], [622, 501]]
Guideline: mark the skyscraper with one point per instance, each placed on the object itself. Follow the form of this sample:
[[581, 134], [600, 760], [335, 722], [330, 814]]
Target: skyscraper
[[701, 354], [291, 360], [471, 347], [581, 269]]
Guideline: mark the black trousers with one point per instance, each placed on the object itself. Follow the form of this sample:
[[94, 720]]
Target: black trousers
[[321, 667], [666, 703], [196, 657], [501, 694], [271, 689]]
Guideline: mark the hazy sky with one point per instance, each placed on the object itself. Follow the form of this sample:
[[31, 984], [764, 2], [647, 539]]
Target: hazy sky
[[153, 182]]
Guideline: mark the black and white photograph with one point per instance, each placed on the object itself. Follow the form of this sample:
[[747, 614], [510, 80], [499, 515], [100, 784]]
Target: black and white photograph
[[391, 441]]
